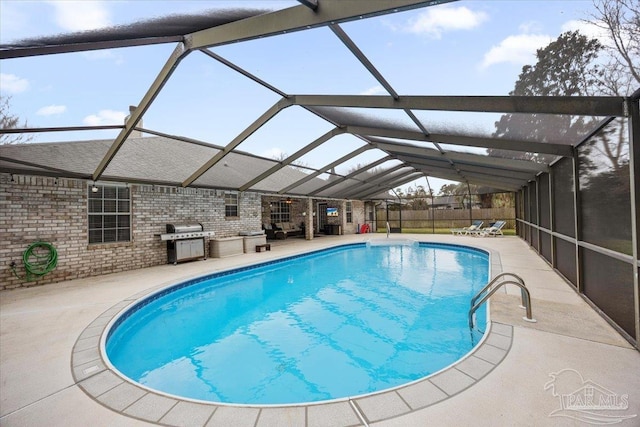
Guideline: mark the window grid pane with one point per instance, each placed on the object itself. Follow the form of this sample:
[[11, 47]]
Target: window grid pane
[[230, 205], [109, 217], [280, 212]]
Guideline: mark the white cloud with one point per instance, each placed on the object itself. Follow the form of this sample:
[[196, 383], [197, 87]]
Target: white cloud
[[588, 29], [104, 55], [51, 110], [11, 83], [105, 117], [519, 49], [438, 20], [14, 21], [80, 15], [376, 90], [530, 27]]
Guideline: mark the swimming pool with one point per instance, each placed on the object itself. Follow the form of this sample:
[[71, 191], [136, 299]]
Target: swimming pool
[[351, 320]]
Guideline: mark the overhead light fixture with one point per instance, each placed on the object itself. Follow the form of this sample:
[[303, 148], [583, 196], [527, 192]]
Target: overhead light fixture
[[94, 189]]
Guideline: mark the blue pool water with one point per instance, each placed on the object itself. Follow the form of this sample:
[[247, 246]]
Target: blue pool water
[[336, 323]]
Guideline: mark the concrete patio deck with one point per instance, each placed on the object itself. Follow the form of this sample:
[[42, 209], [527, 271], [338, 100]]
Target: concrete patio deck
[[39, 327]]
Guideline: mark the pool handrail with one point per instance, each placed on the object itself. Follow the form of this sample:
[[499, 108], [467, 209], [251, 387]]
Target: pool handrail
[[526, 296], [499, 276]]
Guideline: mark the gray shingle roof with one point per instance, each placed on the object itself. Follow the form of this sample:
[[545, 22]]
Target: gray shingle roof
[[158, 160]]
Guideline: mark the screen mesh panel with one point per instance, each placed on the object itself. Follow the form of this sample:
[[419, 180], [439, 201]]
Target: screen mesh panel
[[545, 246], [608, 283], [605, 199], [563, 205], [533, 204], [526, 202], [519, 229], [565, 254], [533, 215], [525, 210], [545, 209], [534, 238]]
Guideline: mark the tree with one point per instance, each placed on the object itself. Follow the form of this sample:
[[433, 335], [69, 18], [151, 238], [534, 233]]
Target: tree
[[566, 67], [417, 197], [463, 192], [301, 166], [9, 121], [369, 173], [487, 196], [621, 20], [457, 189]]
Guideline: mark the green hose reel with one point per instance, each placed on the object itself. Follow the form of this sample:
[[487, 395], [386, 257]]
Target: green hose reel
[[39, 259]]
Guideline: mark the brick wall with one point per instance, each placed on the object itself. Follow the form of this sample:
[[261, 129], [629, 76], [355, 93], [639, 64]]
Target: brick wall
[[55, 210], [298, 206]]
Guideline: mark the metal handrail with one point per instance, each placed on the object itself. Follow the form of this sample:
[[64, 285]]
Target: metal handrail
[[499, 276], [525, 295]]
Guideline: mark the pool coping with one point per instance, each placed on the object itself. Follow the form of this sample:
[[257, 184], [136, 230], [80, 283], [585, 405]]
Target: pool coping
[[102, 383]]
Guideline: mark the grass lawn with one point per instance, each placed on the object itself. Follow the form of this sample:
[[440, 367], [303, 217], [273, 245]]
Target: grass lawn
[[506, 232]]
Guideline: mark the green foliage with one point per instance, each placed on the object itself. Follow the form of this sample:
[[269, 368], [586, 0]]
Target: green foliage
[[566, 67], [417, 198], [457, 189]]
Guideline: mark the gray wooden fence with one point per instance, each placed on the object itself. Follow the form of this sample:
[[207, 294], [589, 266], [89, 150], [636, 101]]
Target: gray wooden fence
[[445, 218]]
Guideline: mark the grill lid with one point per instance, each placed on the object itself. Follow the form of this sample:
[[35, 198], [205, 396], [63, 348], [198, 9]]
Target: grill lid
[[184, 228]]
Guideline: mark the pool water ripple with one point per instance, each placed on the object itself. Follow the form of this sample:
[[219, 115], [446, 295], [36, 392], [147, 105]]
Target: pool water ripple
[[352, 320]]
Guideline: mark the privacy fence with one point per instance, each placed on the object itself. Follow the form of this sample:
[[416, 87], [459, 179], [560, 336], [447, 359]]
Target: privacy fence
[[438, 219]]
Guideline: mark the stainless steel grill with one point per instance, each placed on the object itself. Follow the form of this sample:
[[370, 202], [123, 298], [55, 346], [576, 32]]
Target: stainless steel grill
[[185, 242]]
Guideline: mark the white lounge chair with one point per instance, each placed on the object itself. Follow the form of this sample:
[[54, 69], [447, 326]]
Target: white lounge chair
[[475, 226], [493, 231]]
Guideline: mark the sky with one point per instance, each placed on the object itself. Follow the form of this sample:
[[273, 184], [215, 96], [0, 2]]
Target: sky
[[459, 48]]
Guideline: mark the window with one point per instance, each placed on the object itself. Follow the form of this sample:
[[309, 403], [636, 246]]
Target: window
[[280, 212], [230, 204], [349, 213], [109, 214]]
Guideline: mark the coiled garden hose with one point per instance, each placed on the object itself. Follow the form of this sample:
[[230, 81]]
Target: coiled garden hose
[[39, 259]]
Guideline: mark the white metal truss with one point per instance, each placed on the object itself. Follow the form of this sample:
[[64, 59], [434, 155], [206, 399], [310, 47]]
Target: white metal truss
[[500, 173]]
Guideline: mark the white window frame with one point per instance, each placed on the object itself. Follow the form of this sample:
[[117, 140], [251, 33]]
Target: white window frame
[[108, 217]]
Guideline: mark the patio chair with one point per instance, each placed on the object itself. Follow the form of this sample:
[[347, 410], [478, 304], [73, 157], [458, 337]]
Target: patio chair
[[273, 233], [493, 231], [475, 226]]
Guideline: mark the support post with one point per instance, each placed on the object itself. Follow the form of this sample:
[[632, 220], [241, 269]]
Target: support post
[[308, 220], [470, 213], [538, 210], [634, 193]]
